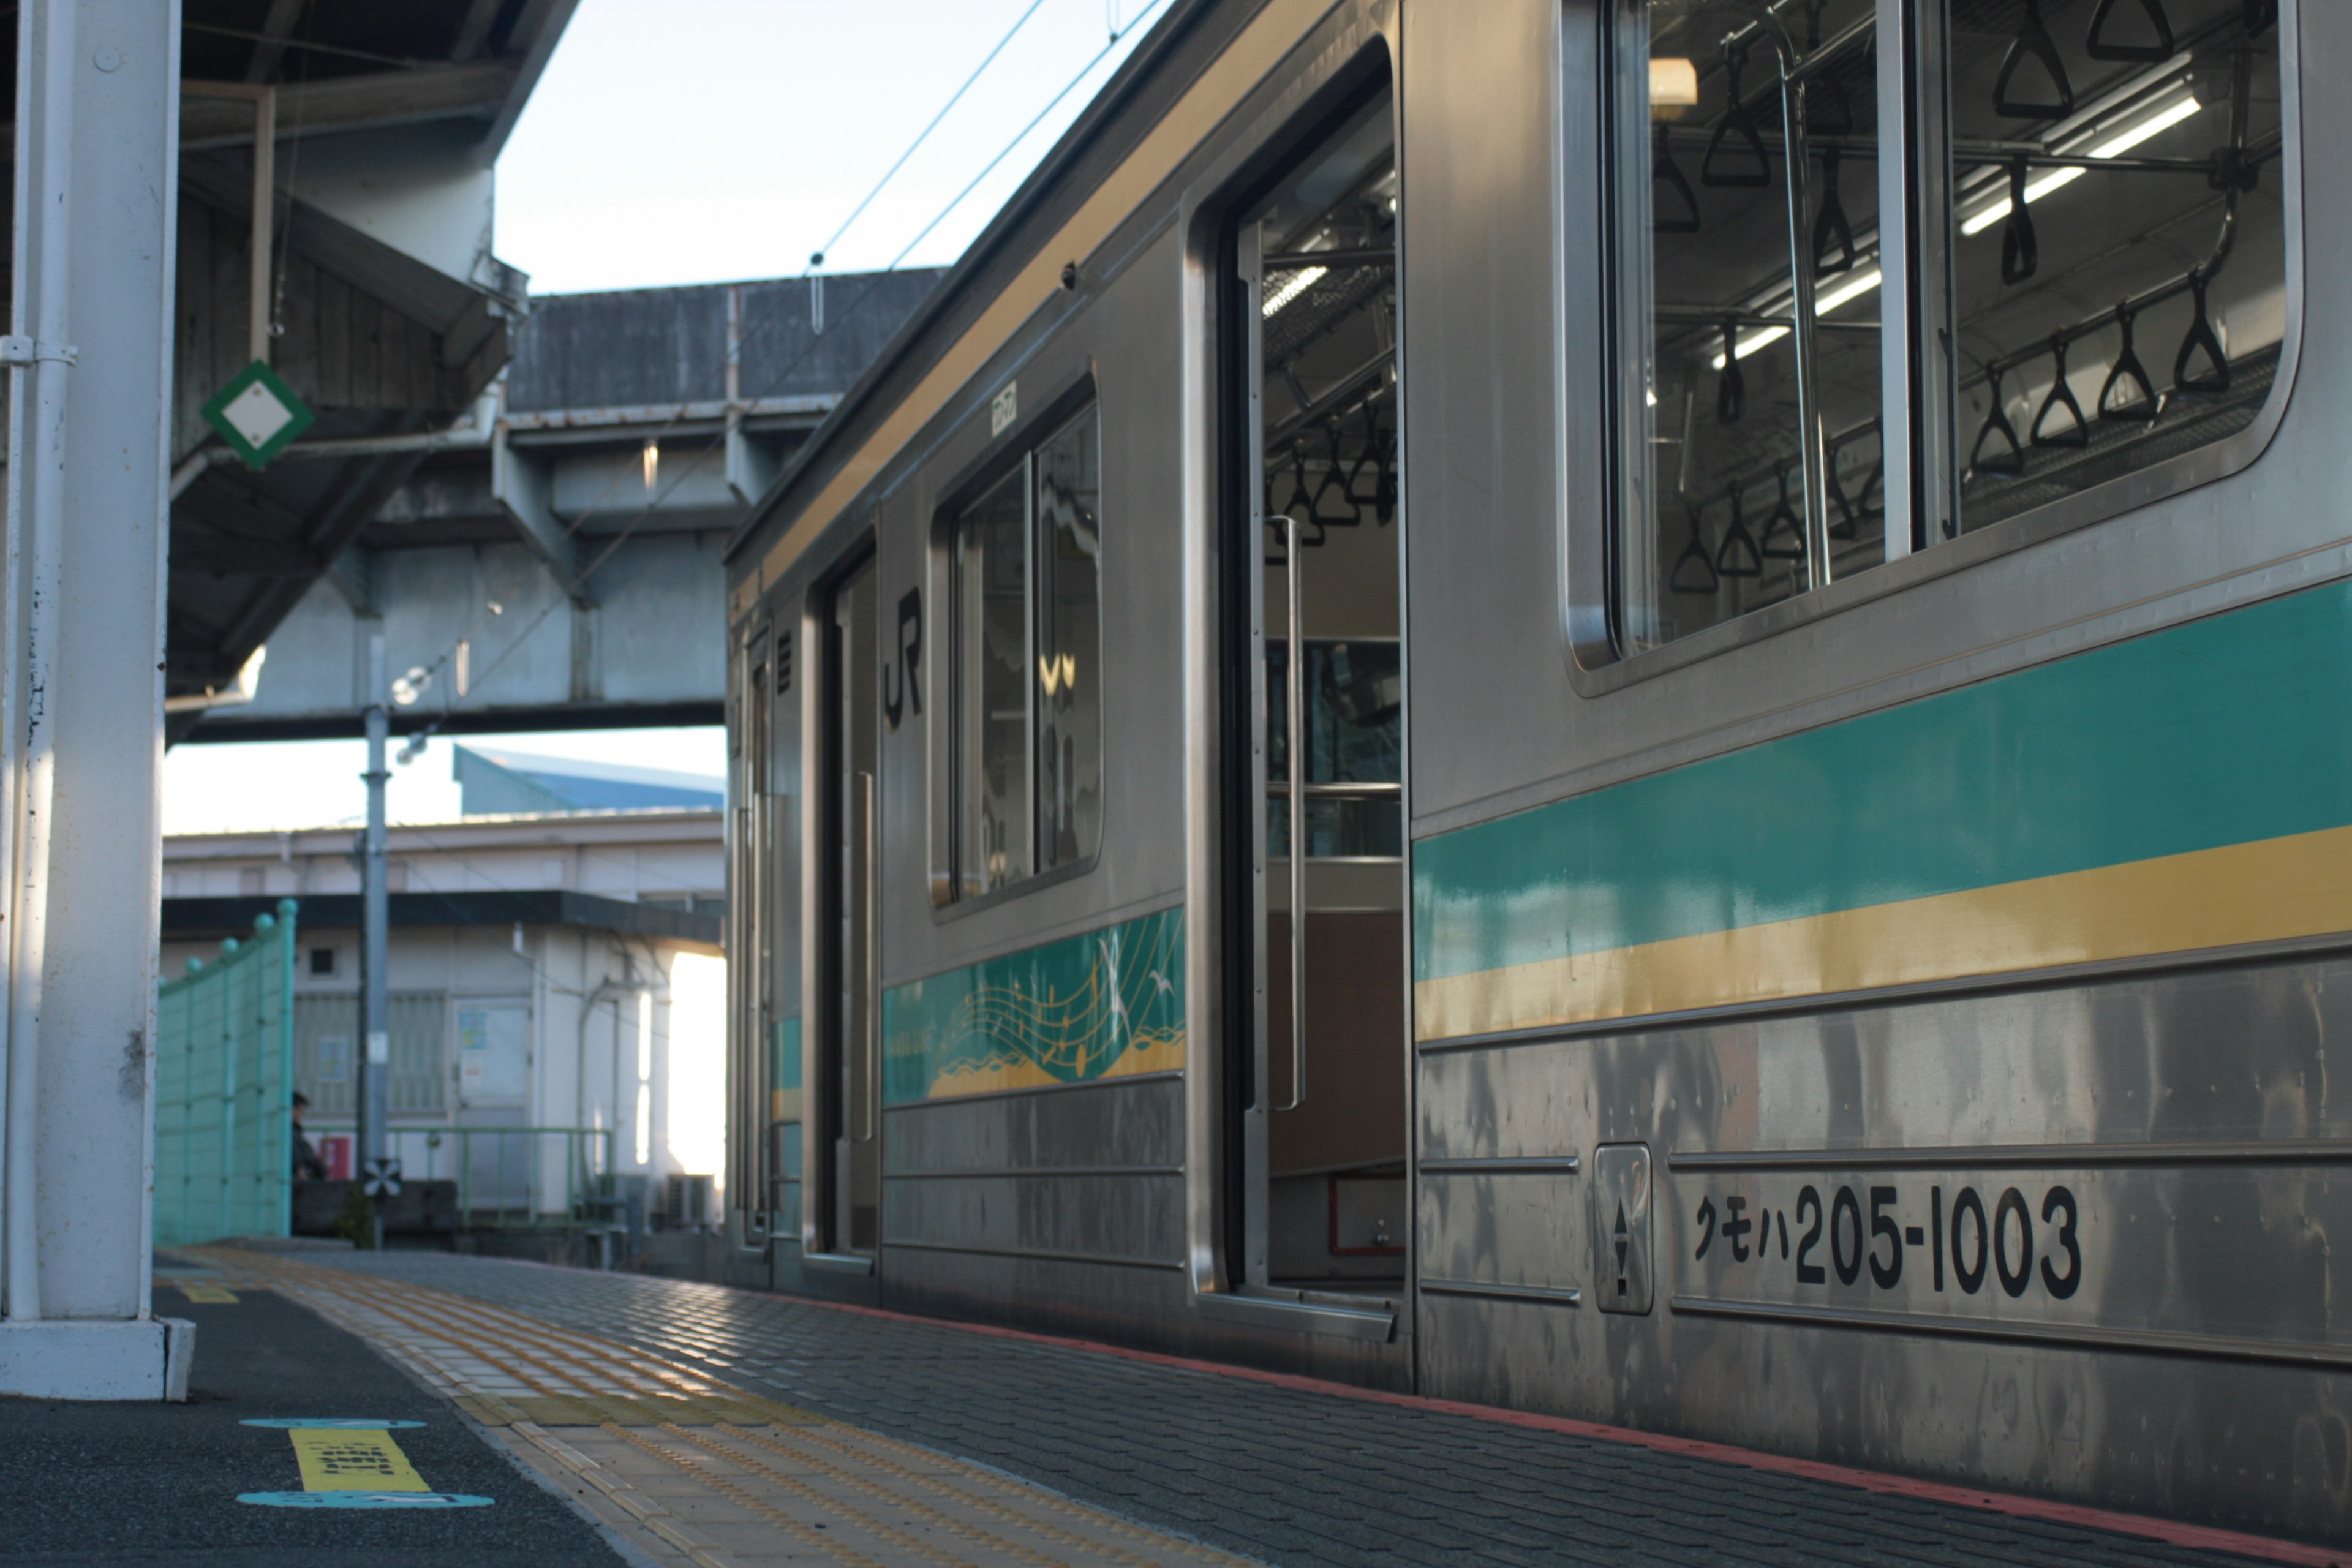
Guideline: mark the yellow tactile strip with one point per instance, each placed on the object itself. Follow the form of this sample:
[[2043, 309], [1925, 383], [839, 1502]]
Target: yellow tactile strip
[[689, 1471]]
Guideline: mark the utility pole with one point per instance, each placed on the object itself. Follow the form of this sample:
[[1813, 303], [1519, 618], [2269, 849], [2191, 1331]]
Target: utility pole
[[375, 1065]]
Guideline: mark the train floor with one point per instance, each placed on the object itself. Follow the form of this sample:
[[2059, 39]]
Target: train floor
[[596, 1418]]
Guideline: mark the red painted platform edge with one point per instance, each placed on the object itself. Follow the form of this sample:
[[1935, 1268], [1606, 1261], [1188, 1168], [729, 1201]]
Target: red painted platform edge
[[2173, 1532]]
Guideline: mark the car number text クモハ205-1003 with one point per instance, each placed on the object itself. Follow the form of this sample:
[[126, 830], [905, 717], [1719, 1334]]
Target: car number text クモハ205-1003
[[1871, 1237]]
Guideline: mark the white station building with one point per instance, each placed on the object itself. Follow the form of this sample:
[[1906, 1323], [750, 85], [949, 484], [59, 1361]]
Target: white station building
[[557, 990]]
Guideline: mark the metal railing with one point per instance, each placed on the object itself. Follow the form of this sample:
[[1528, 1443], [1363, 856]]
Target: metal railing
[[513, 1177]]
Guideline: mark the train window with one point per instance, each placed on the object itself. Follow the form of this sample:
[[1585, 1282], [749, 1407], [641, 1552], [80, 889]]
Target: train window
[[2097, 276], [1026, 725], [1353, 736], [991, 709], [2116, 260], [1069, 640], [1753, 441]]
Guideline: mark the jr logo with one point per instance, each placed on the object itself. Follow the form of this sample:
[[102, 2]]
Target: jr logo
[[906, 691]]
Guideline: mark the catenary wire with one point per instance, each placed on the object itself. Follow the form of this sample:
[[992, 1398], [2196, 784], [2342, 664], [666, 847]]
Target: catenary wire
[[694, 462]]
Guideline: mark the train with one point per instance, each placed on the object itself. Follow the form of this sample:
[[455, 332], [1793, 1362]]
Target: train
[[1639, 709]]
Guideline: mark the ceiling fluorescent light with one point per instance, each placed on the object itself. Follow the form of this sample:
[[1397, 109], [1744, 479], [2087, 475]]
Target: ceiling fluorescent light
[[1750, 341], [2155, 124], [1303, 280], [1847, 293]]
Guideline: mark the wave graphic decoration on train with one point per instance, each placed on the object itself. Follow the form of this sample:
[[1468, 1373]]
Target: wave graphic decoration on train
[[1109, 1004]]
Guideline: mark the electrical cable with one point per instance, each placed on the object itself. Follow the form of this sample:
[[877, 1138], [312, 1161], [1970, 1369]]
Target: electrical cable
[[685, 470], [859, 210]]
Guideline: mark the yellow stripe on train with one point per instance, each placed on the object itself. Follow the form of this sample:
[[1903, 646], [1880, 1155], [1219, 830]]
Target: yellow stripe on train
[[2268, 890]]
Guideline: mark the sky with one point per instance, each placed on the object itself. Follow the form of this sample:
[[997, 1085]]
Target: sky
[[704, 141], [675, 142]]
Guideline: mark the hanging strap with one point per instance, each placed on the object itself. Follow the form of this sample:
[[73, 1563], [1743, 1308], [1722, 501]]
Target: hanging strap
[[2020, 256], [2077, 432], [1849, 521], [2127, 369], [1842, 121], [1681, 580], [1784, 520], [1343, 513], [1731, 391], [2033, 42], [1738, 556], [2099, 46], [1832, 225], [1665, 172], [2011, 462], [2200, 336], [1736, 121]]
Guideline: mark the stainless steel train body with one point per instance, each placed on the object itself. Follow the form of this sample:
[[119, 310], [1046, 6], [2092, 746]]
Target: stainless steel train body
[[1827, 888]]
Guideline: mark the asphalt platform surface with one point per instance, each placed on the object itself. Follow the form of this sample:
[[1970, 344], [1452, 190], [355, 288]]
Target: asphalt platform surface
[[130, 1485], [1290, 1476]]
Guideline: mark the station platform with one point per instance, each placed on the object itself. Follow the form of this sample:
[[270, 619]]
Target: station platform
[[611, 1418]]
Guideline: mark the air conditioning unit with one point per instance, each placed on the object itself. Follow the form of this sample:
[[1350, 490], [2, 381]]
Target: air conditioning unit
[[686, 1204]]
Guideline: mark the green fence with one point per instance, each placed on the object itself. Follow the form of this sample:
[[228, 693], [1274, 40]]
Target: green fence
[[224, 1083]]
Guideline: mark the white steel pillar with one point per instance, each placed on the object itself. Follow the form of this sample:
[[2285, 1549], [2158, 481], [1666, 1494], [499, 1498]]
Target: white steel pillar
[[81, 737]]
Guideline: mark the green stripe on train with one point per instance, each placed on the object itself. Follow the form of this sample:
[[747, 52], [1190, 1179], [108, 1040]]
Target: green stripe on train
[[2228, 729], [1106, 1003], [787, 1068]]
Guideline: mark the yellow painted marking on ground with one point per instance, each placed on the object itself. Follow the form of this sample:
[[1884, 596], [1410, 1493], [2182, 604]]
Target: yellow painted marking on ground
[[353, 1459], [633, 1410], [211, 1294], [689, 1470]]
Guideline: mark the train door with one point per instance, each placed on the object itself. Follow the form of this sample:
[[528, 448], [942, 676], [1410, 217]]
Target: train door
[[1316, 849], [852, 1053]]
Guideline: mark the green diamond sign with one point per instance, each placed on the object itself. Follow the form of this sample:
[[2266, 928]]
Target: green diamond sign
[[258, 414]]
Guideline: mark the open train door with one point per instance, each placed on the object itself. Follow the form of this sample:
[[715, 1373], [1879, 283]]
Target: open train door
[[1316, 1020], [842, 1223]]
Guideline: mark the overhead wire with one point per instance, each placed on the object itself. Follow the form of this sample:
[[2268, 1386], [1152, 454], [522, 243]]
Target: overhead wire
[[692, 463], [924, 135]]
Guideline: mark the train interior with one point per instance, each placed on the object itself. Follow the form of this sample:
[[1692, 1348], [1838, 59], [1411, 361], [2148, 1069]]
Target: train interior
[[1330, 1080], [2106, 262]]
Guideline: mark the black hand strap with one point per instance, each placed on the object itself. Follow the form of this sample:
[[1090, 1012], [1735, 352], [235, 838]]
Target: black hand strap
[[1736, 121], [2020, 256], [2260, 14], [1343, 513], [2077, 430], [2013, 461], [1832, 224], [1828, 84], [2033, 42], [1693, 572], [2200, 337], [1366, 462], [1731, 391], [1311, 533], [2157, 50], [1849, 519], [1665, 173], [1784, 520], [1737, 555], [2127, 369]]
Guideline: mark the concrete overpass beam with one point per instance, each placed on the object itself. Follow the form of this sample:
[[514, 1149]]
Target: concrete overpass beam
[[523, 485]]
